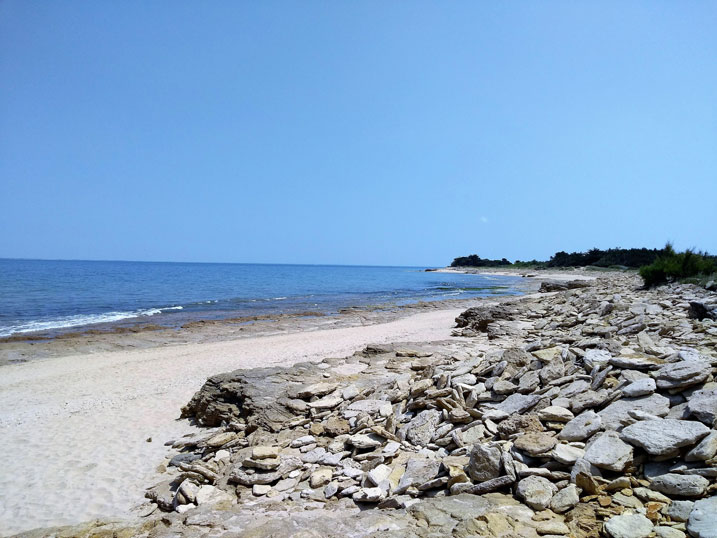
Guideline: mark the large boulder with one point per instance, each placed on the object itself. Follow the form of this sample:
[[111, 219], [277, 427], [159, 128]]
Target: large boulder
[[702, 522], [664, 436]]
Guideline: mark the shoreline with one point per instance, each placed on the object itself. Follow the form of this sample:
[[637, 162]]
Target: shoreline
[[146, 333], [81, 427], [78, 426], [113, 404]]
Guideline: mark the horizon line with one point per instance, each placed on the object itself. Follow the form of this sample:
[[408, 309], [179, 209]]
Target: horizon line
[[2, 258]]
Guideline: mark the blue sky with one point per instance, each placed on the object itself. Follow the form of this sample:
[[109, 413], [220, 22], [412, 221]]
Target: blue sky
[[355, 132]]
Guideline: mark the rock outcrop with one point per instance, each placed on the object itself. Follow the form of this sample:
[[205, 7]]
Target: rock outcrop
[[590, 410]]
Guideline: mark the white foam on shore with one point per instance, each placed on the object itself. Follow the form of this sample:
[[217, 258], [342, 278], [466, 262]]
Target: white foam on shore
[[79, 320]]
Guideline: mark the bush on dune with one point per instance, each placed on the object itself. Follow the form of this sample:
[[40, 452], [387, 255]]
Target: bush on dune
[[670, 266]]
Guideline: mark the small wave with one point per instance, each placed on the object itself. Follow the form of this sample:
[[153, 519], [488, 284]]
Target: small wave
[[67, 322], [173, 308], [278, 298]]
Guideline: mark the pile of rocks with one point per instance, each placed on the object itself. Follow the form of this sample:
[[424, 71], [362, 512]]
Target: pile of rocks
[[577, 412]]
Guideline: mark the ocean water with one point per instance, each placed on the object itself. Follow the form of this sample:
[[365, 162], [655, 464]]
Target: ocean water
[[42, 295]]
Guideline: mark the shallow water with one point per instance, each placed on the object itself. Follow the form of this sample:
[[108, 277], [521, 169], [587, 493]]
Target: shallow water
[[42, 295]]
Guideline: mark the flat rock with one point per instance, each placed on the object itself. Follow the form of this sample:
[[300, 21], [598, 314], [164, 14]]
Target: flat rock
[[554, 413], [641, 387], [617, 414], [664, 436], [517, 403], [678, 375], [535, 443], [240, 475], [636, 362], [327, 402], [566, 454], [581, 427], [608, 451], [664, 531], [680, 484], [628, 526], [371, 407], [362, 440]]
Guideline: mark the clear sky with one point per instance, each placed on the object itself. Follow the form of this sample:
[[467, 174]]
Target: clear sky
[[355, 132]]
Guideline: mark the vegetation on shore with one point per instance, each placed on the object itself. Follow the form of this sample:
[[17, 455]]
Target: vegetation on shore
[[671, 266], [656, 266], [631, 258]]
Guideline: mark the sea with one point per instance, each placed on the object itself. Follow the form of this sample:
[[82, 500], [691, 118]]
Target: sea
[[53, 296]]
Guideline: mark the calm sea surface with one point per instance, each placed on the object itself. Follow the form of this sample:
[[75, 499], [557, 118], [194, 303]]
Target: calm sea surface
[[40, 295]]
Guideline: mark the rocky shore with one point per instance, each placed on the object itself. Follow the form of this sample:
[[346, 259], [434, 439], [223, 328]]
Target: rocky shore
[[587, 410]]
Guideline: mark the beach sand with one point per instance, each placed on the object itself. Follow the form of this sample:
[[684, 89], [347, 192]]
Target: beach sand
[[76, 414], [74, 429]]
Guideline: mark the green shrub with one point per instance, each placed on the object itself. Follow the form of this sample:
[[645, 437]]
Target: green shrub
[[670, 266]]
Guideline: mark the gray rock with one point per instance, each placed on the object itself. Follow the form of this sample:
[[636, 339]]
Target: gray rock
[[363, 440], [617, 414], [535, 443], [680, 510], [628, 526], [664, 436], [312, 456], [418, 471], [369, 495], [588, 399], [303, 441], [678, 375], [565, 499], [668, 532], [636, 362], [705, 450], [240, 475], [596, 357], [372, 407], [536, 491], [211, 495], [574, 388], [504, 387], [554, 413], [641, 387], [378, 474], [703, 405], [420, 430], [680, 484], [566, 454], [553, 370], [581, 427], [608, 451], [517, 403], [484, 462], [703, 519]]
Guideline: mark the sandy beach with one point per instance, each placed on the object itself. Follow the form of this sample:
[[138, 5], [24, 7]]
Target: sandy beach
[[76, 428]]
